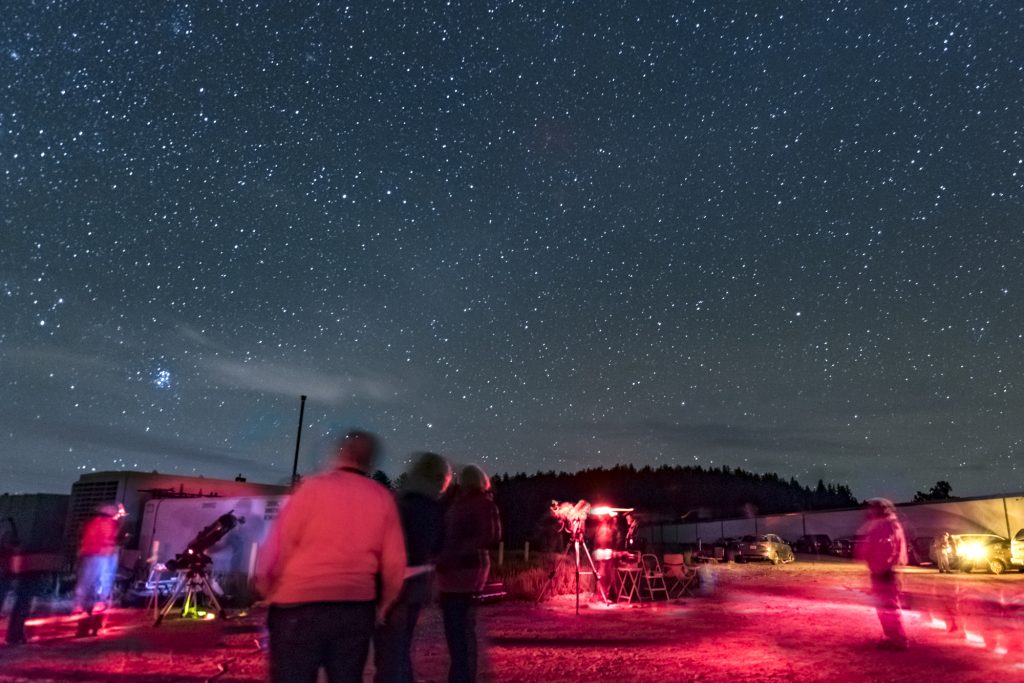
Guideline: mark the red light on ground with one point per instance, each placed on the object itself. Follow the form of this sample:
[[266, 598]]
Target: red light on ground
[[56, 619]]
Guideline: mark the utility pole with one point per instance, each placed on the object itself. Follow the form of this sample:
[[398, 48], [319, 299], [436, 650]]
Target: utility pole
[[298, 440]]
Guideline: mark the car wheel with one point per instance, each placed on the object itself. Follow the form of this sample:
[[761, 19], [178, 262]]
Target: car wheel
[[966, 567], [996, 566]]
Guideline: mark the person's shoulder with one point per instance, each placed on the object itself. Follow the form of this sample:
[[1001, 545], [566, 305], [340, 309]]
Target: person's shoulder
[[369, 486]]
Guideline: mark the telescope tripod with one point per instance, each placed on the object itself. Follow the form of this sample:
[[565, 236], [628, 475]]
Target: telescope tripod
[[575, 544], [193, 584]]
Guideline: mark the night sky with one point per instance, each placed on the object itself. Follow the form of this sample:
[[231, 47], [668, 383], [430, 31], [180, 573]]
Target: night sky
[[532, 235]]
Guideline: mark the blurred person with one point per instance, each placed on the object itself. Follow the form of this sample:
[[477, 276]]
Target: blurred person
[[8, 547], [946, 551], [885, 550], [97, 559], [472, 526], [331, 566], [422, 515], [605, 542], [633, 541]]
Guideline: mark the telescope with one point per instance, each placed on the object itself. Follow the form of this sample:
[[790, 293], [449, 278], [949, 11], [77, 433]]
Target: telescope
[[194, 581], [195, 558]]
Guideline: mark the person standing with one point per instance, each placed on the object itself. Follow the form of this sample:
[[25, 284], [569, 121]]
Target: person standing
[[422, 517], [331, 566], [885, 550], [8, 547], [605, 542], [472, 526], [97, 559], [947, 548]]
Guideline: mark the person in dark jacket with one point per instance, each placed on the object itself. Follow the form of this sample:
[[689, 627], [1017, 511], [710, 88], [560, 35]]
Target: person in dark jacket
[[422, 516], [472, 526]]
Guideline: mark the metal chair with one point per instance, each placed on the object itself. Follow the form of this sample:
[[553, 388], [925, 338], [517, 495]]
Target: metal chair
[[653, 577], [678, 576]]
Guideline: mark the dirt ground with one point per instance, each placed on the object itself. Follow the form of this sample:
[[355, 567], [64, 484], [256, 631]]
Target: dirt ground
[[807, 621]]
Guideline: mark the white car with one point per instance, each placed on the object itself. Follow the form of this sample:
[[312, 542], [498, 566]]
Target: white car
[[1017, 550]]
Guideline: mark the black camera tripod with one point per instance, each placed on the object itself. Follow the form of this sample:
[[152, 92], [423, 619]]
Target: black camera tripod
[[576, 544], [193, 583]]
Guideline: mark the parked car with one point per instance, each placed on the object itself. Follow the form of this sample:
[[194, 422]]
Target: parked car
[[721, 548], [845, 546], [986, 551], [765, 547], [818, 544], [1017, 550]]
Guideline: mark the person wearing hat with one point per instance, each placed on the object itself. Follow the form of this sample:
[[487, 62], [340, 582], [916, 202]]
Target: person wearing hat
[[885, 549], [97, 560]]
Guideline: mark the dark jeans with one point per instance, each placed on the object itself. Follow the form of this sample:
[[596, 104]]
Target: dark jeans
[[392, 643], [459, 613], [332, 635], [26, 588]]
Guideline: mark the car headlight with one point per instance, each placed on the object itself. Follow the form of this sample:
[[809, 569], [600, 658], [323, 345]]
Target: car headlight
[[972, 552]]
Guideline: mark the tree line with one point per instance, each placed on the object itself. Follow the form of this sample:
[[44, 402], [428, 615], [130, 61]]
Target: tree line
[[663, 494]]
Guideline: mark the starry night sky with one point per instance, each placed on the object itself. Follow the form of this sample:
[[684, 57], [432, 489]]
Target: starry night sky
[[533, 235]]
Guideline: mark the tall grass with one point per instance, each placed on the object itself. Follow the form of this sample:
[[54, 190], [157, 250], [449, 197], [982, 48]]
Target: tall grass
[[525, 580]]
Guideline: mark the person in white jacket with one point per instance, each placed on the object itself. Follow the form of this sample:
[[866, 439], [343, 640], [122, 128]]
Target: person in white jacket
[[332, 564]]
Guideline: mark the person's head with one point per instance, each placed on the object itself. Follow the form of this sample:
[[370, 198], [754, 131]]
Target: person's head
[[115, 510], [429, 474], [358, 449], [472, 479], [879, 508]]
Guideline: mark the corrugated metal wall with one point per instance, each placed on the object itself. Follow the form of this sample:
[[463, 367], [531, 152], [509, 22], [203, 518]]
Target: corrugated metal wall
[[1003, 516]]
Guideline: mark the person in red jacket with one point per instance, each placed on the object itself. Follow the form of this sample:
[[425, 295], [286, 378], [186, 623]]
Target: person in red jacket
[[472, 527], [97, 559]]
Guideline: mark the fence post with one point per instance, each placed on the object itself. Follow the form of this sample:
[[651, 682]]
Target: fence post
[[526, 552], [501, 553]]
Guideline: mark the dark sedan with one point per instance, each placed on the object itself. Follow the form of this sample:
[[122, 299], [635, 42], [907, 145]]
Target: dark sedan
[[819, 544]]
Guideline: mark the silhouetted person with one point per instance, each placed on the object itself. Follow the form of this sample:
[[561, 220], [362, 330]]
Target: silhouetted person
[[332, 564], [422, 517], [472, 526], [885, 549], [8, 547]]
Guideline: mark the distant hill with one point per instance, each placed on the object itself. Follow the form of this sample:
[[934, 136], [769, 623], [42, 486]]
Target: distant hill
[[665, 493]]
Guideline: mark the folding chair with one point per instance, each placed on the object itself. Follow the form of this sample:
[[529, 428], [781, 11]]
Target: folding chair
[[654, 578], [678, 576]]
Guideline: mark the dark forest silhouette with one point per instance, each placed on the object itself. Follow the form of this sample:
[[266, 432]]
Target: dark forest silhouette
[[664, 494]]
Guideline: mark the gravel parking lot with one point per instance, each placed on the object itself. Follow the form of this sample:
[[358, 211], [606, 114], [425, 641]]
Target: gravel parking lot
[[811, 620]]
